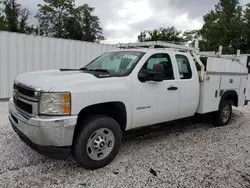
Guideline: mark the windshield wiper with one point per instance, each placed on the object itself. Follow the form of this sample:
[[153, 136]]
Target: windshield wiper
[[69, 69], [83, 69], [96, 70]]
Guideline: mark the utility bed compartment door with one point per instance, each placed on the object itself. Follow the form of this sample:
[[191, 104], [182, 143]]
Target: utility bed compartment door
[[209, 94], [230, 82]]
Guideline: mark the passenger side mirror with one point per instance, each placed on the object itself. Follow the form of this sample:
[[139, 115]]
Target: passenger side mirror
[[157, 74]]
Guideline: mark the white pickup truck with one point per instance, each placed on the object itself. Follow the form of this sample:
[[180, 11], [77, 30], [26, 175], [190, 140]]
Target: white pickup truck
[[85, 111]]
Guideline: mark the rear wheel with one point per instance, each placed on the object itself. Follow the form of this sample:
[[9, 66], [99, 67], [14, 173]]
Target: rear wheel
[[98, 142], [223, 115]]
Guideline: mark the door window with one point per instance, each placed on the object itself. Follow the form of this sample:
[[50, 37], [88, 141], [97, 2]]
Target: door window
[[162, 59], [184, 66]]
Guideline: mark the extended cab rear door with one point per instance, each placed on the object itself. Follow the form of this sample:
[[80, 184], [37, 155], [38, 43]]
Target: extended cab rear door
[[155, 102], [188, 82]]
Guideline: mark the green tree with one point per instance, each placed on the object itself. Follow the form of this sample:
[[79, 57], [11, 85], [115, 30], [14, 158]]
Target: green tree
[[11, 11], [142, 36], [83, 25], [73, 29], [161, 34], [90, 23], [61, 19], [13, 17], [224, 26], [52, 16], [23, 18], [246, 31], [191, 35], [2, 22]]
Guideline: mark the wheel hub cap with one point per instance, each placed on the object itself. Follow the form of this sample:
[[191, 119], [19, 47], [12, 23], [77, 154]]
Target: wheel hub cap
[[100, 144]]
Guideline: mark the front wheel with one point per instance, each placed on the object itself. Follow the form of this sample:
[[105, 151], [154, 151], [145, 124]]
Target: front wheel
[[223, 115], [98, 142]]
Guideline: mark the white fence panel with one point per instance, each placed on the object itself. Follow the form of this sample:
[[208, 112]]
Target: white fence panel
[[24, 53]]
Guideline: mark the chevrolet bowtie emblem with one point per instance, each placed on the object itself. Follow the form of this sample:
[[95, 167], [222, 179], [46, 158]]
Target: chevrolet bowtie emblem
[[15, 93]]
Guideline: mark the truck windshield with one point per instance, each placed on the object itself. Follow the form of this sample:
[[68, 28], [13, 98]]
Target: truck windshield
[[119, 63]]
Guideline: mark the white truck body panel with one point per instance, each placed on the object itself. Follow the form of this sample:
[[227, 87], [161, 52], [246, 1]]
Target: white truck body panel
[[246, 58], [153, 103], [188, 91], [243, 90], [82, 86], [222, 75], [212, 86], [243, 58], [150, 99], [225, 65], [208, 102], [230, 82]]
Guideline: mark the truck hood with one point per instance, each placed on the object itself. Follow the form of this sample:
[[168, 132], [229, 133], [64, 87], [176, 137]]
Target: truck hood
[[46, 80]]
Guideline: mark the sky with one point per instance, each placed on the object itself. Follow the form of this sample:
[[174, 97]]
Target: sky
[[123, 20]]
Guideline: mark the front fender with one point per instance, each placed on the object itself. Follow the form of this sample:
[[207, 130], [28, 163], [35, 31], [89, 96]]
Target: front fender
[[101, 91]]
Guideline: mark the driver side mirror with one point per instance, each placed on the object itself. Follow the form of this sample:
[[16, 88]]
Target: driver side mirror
[[157, 74]]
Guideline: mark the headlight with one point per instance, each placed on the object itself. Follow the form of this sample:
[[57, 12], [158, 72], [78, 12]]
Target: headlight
[[55, 104]]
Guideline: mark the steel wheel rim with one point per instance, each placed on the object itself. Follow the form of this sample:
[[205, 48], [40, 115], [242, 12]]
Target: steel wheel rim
[[100, 144], [225, 113]]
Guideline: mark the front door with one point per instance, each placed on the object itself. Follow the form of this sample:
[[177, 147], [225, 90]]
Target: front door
[[156, 102]]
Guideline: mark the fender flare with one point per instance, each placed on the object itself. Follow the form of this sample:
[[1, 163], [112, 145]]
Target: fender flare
[[229, 93]]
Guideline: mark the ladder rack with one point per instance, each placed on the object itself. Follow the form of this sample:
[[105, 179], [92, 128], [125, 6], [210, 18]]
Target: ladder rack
[[155, 44], [159, 44], [194, 51]]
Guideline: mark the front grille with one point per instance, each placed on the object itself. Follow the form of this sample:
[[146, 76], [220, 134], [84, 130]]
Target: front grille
[[23, 106], [25, 91]]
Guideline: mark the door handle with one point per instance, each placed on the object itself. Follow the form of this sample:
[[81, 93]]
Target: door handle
[[172, 88]]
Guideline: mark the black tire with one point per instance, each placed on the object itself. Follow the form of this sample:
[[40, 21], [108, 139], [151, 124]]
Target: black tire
[[220, 119], [89, 126]]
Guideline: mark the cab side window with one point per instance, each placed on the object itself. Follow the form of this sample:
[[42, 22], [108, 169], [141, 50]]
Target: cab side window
[[162, 59], [184, 66]]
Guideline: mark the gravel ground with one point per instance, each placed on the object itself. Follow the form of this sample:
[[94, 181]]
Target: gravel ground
[[191, 153]]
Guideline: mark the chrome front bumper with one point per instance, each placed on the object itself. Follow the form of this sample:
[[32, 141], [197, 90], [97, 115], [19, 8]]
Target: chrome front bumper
[[44, 131]]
